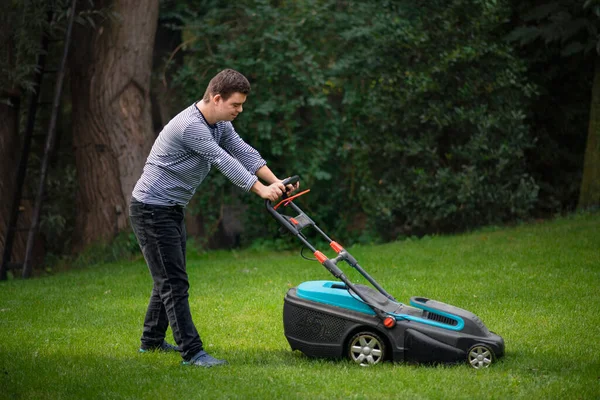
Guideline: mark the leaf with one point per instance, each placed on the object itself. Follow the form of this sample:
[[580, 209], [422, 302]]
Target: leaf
[[550, 33], [322, 175], [524, 34], [541, 12], [573, 27], [91, 22], [588, 3], [572, 48], [80, 20]]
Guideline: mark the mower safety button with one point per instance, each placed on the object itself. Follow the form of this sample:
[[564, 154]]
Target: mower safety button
[[389, 322]]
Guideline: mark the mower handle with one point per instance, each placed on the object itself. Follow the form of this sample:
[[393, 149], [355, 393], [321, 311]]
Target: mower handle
[[329, 264], [290, 181]]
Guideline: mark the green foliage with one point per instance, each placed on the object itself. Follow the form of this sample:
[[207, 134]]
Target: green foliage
[[402, 118], [124, 246], [573, 25], [58, 216], [558, 41], [22, 24], [291, 119], [446, 109]]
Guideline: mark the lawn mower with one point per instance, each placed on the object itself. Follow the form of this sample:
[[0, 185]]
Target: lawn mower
[[336, 319]]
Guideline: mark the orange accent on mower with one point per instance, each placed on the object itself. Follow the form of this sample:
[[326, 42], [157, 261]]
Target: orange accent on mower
[[320, 256], [336, 247], [389, 322], [288, 200]]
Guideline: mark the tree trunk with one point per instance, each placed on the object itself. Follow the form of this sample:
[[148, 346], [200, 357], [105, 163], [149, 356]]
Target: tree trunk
[[589, 196], [112, 124], [12, 100], [9, 153]]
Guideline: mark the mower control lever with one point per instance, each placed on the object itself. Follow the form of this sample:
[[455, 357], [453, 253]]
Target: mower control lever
[[286, 221], [287, 181], [291, 180]]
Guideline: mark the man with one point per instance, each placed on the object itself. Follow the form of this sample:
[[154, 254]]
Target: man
[[198, 138]]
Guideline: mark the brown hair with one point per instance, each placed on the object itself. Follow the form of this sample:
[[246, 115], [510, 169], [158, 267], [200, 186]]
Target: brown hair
[[226, 83]]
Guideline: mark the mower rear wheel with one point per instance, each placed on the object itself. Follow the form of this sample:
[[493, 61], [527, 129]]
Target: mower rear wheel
[[480, 356], [366, 349]]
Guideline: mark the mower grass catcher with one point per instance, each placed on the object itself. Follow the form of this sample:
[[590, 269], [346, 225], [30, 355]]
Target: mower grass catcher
[[338, 319]]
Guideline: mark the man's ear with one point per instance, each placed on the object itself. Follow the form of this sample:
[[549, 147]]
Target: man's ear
[[217, 98]]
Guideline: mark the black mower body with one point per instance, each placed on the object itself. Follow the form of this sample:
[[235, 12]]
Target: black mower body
[[318, 329]]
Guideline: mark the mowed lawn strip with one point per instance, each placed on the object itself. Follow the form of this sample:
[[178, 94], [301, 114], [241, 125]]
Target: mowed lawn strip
[[75, 335]]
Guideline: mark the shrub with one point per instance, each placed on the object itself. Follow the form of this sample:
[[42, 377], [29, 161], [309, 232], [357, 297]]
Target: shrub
[[403, 117]]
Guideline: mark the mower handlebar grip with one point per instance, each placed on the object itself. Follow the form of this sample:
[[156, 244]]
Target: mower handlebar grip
[[291, 180], [287, 181]]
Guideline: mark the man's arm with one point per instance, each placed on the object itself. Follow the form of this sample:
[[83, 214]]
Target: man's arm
[[265, 174], [252, 160], [273, 190], [198, 139], [242, 151]]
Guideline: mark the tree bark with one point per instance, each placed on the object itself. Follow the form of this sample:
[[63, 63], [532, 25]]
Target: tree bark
[[9, 152], [589, 195], [112, 125]]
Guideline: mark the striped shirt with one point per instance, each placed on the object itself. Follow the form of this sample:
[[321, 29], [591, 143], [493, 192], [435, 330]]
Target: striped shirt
[[183, 154]]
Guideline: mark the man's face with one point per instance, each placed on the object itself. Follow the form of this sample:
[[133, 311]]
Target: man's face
[[229, 109]]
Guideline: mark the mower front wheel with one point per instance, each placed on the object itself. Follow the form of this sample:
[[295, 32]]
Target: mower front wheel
[[480, 356], [366, 349]]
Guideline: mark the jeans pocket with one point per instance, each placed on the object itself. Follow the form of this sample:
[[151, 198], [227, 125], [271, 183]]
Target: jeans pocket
[[139, 221]]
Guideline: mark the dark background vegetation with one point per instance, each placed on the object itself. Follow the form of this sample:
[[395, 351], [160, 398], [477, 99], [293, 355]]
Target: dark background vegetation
[[404, 118]]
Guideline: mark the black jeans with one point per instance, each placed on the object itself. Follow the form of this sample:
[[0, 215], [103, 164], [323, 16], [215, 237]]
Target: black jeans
[[160, 231]]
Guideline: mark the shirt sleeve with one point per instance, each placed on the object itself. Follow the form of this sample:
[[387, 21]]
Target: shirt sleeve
[[246, 154], [198, 138]]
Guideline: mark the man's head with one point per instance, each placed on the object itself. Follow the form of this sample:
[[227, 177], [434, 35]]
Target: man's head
[[225, 95], [225, 83]]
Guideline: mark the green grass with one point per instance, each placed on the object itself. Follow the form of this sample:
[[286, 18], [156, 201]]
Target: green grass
[[75, 334]]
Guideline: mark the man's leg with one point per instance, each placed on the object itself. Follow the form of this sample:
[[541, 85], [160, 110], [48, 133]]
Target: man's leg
[[164, 254], [155, 323]]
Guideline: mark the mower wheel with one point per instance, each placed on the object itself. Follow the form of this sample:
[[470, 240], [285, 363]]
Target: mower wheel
[[480, 356], [366, 349]]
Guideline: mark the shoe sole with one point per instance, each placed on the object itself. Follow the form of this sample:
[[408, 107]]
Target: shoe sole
[[189, 364]]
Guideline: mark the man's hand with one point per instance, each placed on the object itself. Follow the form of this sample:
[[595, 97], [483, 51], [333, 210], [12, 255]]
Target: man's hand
[[289, 189], [271, 192], [265, 174]]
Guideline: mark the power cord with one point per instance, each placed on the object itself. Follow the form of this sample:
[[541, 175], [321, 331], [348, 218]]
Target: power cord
[[303, 256]]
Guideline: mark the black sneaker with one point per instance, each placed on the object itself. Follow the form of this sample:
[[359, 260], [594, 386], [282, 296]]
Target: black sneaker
[[203, 359], [163, 347]]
